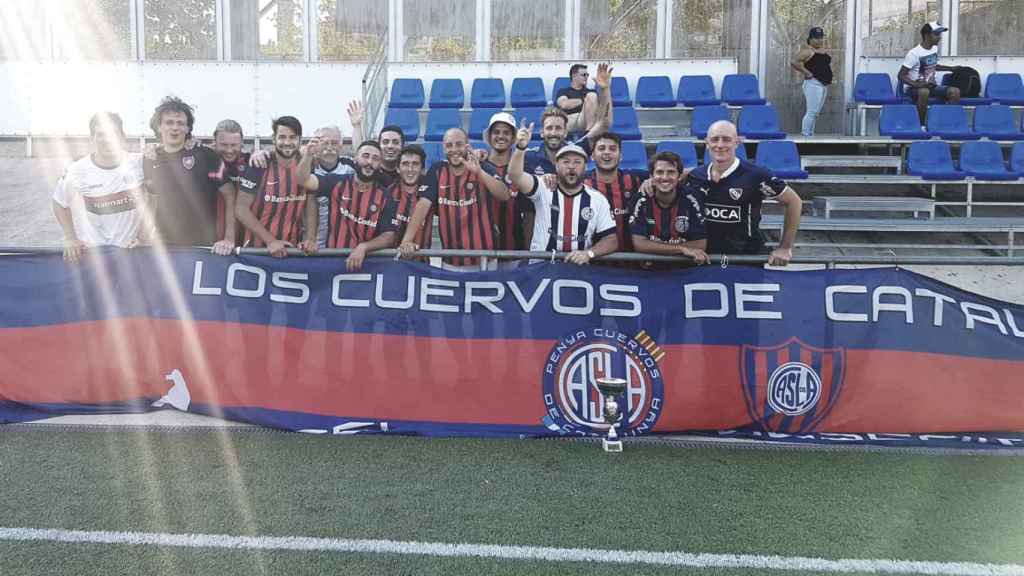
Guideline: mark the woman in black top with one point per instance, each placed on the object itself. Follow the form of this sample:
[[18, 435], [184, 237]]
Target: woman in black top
[[816, 66]]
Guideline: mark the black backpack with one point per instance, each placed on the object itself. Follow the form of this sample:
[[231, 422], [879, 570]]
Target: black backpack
[[966, 79]]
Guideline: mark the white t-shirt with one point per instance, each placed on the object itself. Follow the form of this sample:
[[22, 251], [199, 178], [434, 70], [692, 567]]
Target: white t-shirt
[[566, 223], [922, 63], [103, 201]]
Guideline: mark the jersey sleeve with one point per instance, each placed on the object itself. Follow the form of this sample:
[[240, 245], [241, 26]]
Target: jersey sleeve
[[695, 214], [911, 60], [250, 179], [61, 194], [538, 187], [429, 181], [388, 222], [638, 217], [326, 183], [604, 223], [771, 185], [491, 169]]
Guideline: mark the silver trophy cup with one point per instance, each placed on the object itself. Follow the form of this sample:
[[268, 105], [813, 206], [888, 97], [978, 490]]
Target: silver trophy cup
[[611, 388]]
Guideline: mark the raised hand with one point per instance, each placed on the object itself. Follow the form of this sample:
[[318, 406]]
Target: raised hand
[[603, 78], [524, 134], [472, 162], [355, 112]]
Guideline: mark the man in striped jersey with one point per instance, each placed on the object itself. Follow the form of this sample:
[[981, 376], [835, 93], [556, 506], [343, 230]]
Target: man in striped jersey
[[618, 186], [360, 208], [272, 203], [458, 189], [573, 217], [514, 218], [406, 193], [670, 223]]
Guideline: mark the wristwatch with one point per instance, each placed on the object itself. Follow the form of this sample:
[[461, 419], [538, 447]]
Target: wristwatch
[[590, 254]]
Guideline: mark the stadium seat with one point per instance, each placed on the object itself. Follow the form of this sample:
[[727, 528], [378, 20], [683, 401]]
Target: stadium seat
[[447, 93], [560, 82], [949, 122], [901, 121], [741, 90], [984, 161], [781, 157], [625, 123], [406, 93], [741, 153], [874, 88], [408, 119], [931, 160], [655, 92], [440, 120], [487, 93], [435, 152], [634, 156], [528, 92], [964, 100], [620, 92], [704, 116], [686, 150], [1005, 88], [478, 120], [530, 115], [696, 91], [1017, 157], [761, 122], [996, 122]]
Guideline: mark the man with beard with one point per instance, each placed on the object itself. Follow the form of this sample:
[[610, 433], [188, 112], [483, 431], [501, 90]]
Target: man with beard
[[554, 126], [459, 188], [670, 223], [361, 209], [183, 183], [406, 194], [391, 139], [227, 143], [273, 199], [514, 218], [573, 218]]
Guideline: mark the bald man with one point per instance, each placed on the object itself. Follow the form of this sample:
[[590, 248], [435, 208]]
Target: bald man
[[732, 191]]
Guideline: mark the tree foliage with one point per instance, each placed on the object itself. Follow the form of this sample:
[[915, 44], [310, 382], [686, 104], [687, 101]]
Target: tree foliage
[[181, 29]]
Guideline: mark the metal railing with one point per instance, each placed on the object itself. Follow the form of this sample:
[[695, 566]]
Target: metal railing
[[375, 89]]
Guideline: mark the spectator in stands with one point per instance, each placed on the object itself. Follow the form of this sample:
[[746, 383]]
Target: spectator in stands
[[98, 200], [458, 189], [554, 130], [918, 71], [227, 142], [272, 200], [618, 186], [671, 222], [183, 182], [391, 139], [816, 66], [732, 191], [513, 218], [584, 106], [573, 217], [406, 193]]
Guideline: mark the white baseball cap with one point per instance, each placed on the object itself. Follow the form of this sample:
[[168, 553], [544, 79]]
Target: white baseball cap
[[502, 118], [571, 149]]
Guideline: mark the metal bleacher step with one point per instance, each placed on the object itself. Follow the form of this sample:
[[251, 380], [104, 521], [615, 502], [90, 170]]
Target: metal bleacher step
[[852, 161], [825, 205]]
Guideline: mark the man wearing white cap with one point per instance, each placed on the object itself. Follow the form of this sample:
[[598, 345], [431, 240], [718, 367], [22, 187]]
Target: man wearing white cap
[[918, 71], [573, 217], [513, 218]]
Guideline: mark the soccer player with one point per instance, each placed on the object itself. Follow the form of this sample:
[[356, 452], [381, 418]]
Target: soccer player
[[272, 202], [582, 104], [514, 218], [406, 193], [670, 223], [392, 140], [97, 202], [572, 218], [732, 191], [183, 183], [458, 189], [360, 206]]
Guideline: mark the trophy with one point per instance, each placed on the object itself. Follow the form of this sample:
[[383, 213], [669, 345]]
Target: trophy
[[610, 388]]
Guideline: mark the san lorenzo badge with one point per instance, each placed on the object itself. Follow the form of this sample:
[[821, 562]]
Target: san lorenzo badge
[[682, 224], [188, 162]]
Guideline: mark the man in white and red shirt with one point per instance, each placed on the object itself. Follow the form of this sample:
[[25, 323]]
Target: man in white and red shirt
[[98, 200]]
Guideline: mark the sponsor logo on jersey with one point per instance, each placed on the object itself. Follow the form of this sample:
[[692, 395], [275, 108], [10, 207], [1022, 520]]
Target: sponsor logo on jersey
[[722, 214]]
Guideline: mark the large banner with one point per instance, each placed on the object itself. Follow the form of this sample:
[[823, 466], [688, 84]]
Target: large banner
[[401, 347]]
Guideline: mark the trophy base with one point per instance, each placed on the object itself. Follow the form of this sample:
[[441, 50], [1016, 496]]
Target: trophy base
[[611, 445]]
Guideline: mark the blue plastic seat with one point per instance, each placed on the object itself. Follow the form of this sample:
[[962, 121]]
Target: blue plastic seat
[[760, 121], [528, 92], [447, 93], [625, 123], [487, 93], [781, 157], [741, 153], [531, 115], [620, 92], [560, 83], [741, 90], [949, 122], [478, 144], [406, 93], [1005, 88], [704, 116], [634, 156], [874, 88], [996, 122], [655, 92], [984, 161], [697, 91], [479, 118], [1017, 157], [408, 119], [439, 120], [947, 80], [435, 152], [901, 121], [931, 160], [685, 149]]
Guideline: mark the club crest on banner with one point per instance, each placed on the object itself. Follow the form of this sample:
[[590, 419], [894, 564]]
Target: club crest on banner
[[572, 401], [791, 388]]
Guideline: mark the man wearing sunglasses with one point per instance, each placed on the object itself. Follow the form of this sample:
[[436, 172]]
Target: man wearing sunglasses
[[580, 103]]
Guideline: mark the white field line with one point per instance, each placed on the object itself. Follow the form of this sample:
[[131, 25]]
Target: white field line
[[679, 559]]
